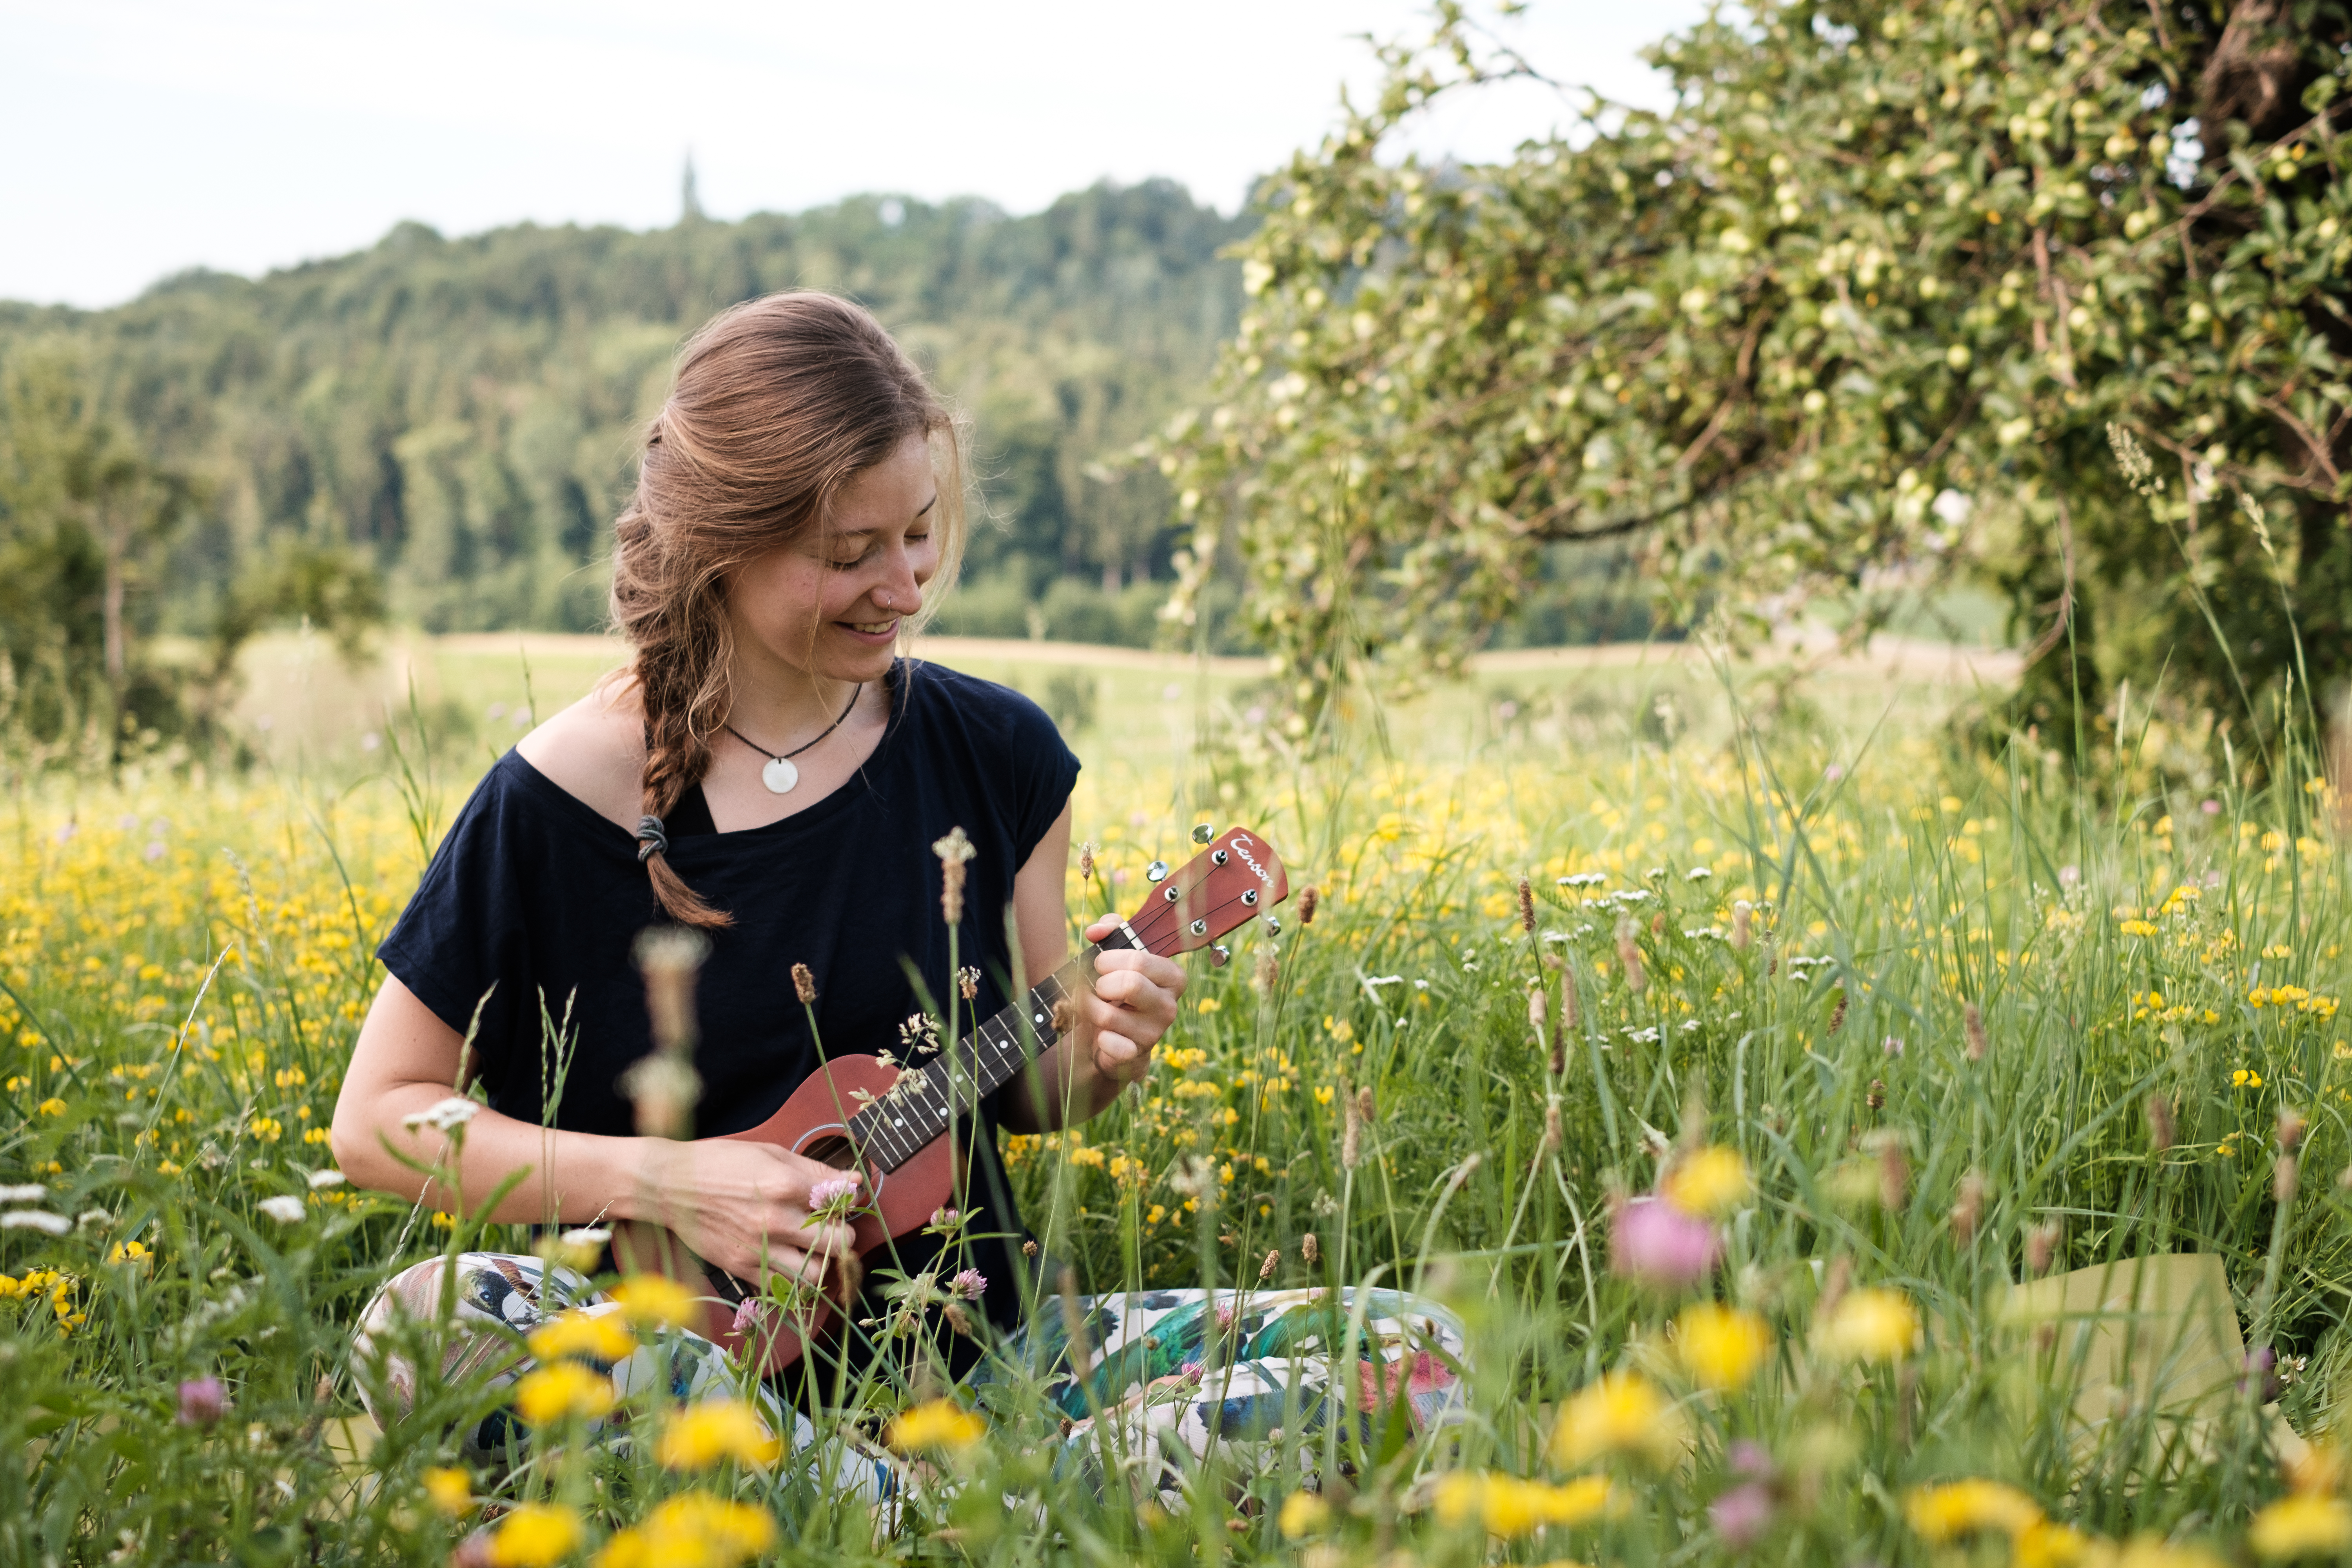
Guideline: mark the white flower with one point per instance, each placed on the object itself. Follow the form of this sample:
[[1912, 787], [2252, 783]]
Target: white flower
[[322, 1180], [591, 1236], [1697, 874], [31, 1193], [285, 1209], [36, 1219], [448, 1116], [94, 1217]]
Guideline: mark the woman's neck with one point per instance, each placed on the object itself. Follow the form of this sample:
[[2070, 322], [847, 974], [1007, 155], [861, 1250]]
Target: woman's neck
[[778, 705]]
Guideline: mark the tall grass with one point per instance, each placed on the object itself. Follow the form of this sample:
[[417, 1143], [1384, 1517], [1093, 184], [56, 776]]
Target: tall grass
[[1975, 1022]]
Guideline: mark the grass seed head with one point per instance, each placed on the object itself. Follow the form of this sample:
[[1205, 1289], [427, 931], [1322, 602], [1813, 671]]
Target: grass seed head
[[1743, 924], [1526, 907], [1972, 1021], [2041, 1246], [1307, 902], [803, 984], [2161, 1133]]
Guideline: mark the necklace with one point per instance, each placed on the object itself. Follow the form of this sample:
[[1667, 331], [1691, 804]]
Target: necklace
[[780, 775]]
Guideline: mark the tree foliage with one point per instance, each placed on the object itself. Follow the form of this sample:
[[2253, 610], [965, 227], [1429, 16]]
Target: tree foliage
[[463, 412], [1854, 315]]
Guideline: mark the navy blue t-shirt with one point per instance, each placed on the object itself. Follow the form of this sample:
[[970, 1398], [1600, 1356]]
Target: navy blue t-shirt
[[534, 900]]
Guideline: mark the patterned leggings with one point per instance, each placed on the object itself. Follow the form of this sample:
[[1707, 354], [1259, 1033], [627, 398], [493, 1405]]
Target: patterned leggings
[[1172, 1373]]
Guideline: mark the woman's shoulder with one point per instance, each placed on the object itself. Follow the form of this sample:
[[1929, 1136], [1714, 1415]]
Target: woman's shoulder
[[937, 688], [594, 752]]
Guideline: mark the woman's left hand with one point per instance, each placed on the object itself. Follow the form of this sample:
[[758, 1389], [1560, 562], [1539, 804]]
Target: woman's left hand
[[1133, 1003]]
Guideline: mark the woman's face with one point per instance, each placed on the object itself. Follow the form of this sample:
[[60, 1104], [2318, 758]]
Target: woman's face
[[829, 605]]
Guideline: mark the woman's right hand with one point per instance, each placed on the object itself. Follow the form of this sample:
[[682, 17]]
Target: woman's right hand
[[740, 1205]]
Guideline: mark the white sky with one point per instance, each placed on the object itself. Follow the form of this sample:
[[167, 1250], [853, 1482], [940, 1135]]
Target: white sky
[[144, 137]]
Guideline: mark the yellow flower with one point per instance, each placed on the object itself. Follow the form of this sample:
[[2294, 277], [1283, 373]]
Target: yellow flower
[[1721, 1347], [1511, 1508], [935, 1423], [1709, 1184], [266, 1129], [691, 1531], [2148, 1552], [2245, 1078], [1303, 1513], [1623, 1412], [699, 1436], [567, 1388], [2302, 1525], [2137, 928], [535, 1535], [2046, 1543], [1869, 1325], [592, 1336], [451, 1490], [655, 1298], [1945, 1513], [52, 1107], [1085, 1157], [130, 1252]]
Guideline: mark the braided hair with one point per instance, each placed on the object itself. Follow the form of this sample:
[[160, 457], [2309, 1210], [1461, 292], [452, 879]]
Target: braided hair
[[778, 403]]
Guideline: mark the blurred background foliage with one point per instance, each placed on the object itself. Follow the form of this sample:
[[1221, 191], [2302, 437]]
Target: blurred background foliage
[[1849, 322]]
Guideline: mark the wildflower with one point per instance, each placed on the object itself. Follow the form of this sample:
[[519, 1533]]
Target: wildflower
[[1869, 1325], [449, 1489], [1944, 1513], [954, 851], [535, 1535], [803, 984], [1511, 1508], [692, 1530], [2301, 1525], [136, 1253], [1526, 908], [833, 1198], [670, 957], [1967, 1209], [444, 1116], [699, 1436], [582, 1247], [203, 1402], [285, 1209], [1303, 1513], [2245, 1078], [565, 1389], [1709, 1184], [935, 1423], [2137, 928], [320, 1181], [1658, 1245], [51, 1107], [1310, 1249], [1719, 1346], [1087, 861], [968, 982], [970, 1284], [36, 1219], [654, 1299], [1742, 1515], [1272, 1260], [25, 1193], [1623, 1412], [590, 1336], [1743, 924], [2046, 1543]]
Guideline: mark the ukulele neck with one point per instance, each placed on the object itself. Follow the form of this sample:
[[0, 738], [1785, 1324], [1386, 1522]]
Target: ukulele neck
[[931, 1096]]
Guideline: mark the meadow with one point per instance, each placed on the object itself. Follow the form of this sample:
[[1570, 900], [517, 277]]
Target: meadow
[[1748, 1065]]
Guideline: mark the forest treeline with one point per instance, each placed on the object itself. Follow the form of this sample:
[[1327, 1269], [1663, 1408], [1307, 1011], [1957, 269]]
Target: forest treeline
[[459, 414]]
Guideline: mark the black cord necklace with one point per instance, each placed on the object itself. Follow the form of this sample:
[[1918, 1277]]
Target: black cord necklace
[[780, 775]]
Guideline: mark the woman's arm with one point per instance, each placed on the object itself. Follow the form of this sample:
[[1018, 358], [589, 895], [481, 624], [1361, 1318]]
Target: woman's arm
[[733, 1202], [1132, 1004]]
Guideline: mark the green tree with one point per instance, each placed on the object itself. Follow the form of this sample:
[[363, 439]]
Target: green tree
[[1853, 316]]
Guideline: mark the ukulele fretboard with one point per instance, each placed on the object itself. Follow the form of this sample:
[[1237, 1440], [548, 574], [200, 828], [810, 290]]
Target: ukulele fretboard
[[893, 1130]]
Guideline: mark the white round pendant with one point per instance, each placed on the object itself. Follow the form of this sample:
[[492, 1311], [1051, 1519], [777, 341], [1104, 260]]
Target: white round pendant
[[780, 775]]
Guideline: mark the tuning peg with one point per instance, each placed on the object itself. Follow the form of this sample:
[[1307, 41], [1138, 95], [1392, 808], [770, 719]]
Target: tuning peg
[[1220, 955], [1156, 872], [1202, 833], [1273, 926]]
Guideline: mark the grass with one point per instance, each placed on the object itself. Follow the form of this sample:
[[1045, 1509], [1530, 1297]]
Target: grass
[[1922, 1069]]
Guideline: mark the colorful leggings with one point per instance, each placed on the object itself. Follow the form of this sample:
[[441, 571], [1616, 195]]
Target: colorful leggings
[[1171, 1372]]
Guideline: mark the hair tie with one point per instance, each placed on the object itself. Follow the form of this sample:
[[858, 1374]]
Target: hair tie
[[652, 839]]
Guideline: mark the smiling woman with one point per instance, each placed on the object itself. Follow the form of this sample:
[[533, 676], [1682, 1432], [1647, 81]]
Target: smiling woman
[[767, 769]]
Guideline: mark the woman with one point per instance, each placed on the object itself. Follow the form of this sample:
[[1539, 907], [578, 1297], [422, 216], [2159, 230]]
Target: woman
[[765, 770]]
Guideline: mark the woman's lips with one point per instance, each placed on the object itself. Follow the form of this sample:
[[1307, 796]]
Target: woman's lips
[[871, 631]]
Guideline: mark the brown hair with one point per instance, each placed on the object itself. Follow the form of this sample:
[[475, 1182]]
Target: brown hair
[[778, 403]]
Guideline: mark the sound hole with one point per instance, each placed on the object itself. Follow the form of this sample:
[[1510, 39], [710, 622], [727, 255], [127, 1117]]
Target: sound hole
[[830, 1149]]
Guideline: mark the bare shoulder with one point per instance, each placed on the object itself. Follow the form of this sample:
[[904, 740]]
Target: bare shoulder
[[594, 751]]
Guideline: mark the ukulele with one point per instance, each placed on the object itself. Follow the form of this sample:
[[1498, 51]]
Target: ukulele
[[898, 1126]]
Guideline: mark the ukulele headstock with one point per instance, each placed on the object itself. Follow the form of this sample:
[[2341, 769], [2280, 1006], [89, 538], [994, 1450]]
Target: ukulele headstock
[[1234, 880]]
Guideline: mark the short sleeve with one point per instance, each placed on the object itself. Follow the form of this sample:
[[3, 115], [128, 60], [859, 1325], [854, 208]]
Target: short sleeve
[[1045, 782], [462, 944]]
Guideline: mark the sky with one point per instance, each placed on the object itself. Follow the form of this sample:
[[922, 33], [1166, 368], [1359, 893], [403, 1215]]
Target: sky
[[146, 138]]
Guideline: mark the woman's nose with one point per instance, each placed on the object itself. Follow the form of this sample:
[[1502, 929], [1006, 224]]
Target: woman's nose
[[902, 590]]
